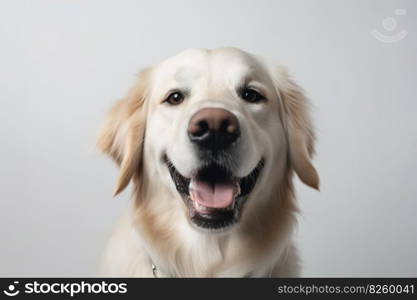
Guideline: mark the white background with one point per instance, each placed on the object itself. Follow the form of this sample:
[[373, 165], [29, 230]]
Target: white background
[[63, 63]]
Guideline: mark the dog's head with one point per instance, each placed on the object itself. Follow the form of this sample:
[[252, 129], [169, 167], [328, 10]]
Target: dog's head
[[217, 129]]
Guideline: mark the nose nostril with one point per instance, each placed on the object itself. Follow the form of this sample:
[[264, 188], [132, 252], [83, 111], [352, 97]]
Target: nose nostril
[[201, 128], [198, 129], [228, 126], [224, 125], [203, 125]]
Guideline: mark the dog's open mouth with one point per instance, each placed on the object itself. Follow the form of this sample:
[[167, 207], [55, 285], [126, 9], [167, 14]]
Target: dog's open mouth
[[214, 196]]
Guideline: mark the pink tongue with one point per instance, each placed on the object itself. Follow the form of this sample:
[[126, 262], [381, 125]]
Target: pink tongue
[[213, 196]]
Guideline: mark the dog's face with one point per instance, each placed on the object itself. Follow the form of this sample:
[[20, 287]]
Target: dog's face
[[220, 128]]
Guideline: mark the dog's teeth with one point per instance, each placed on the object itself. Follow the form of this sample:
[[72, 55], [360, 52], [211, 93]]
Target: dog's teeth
[[201, 207], [191, 184], [237, 190]]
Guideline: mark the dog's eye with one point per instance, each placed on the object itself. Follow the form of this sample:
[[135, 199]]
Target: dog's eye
[[175, 98], [252, 96]]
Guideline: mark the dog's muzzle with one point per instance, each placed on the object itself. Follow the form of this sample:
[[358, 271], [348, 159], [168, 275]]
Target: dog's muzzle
[[213, 194]]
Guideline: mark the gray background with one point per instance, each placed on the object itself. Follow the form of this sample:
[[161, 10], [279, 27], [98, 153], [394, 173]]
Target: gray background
[[63, 63]]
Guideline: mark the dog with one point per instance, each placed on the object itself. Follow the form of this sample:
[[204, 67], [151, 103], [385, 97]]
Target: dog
[[210, 140]]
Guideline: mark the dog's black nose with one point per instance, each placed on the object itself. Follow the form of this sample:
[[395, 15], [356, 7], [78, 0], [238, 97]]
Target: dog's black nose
[[213, 128]]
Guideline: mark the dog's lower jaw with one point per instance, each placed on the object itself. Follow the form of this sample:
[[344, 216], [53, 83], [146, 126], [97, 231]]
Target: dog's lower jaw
[[214, 196]]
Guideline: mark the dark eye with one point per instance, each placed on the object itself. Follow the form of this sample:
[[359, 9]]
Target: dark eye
[[252, 96], [175, 98]]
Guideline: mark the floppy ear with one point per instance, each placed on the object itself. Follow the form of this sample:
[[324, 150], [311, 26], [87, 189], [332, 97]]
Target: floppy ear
[[122, 133], [300, 132]]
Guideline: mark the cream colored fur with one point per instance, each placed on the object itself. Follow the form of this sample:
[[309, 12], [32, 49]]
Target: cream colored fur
[[140, 127]]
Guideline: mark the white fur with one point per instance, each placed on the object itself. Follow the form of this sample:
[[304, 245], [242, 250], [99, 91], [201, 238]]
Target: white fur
[[156, 229]]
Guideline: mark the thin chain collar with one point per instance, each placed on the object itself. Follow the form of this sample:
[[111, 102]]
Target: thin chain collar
[[154, 270]]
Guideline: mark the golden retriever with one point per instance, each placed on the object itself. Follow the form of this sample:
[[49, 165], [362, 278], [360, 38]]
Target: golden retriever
[[210, 140]]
